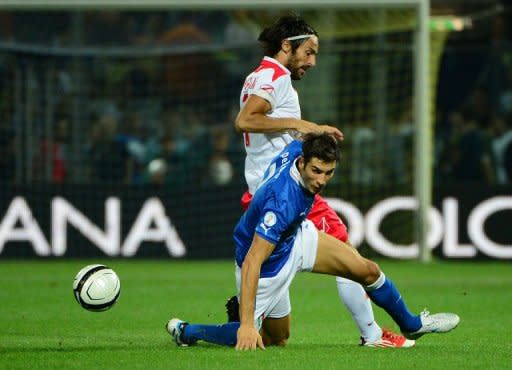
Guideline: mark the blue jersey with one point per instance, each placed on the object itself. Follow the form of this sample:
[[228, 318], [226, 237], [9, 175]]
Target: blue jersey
[[278, 207]]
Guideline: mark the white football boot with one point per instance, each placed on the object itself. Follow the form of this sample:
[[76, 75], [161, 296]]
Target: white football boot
[[175, 328], [436, 323]]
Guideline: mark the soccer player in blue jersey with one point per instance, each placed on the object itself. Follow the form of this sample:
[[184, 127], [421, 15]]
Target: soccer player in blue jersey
[[274, 240], [270, 118]]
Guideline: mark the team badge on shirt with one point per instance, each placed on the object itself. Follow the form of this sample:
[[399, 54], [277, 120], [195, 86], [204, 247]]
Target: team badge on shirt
[[268, 88], [269, 219]]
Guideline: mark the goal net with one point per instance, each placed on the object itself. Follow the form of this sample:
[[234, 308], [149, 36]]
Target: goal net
[[140, 104]]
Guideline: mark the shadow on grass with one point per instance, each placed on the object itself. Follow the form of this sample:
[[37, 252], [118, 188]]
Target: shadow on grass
[[201, 347], [82, 348], [291, 347]]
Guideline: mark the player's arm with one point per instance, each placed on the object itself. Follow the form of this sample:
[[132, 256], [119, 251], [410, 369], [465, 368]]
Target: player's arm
[[253, 118], [248, 337]]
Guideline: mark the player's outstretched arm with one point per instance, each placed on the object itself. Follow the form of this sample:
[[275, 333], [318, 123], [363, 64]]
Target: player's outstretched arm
[[253, 118], [248, 337]]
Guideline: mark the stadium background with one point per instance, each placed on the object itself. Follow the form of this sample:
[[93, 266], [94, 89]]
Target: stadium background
[[136, 108], [89, 99]]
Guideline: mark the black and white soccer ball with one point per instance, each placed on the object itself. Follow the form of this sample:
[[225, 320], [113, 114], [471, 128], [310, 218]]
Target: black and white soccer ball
[[96, 287]]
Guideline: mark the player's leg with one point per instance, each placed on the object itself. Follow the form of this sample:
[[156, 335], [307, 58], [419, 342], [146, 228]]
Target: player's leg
[[233, 309], [232, 304], [275, 329], [352, 294], [358, 304], [338, 259], [272, 300], [186, 334]]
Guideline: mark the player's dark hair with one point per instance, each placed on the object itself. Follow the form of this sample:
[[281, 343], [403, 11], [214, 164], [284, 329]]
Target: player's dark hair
[[286, 26], [321, 146]]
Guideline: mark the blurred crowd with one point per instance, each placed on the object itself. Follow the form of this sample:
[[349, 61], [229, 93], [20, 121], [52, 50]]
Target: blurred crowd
[[116, 28], [473, 129], [167, 119], [164, 117]]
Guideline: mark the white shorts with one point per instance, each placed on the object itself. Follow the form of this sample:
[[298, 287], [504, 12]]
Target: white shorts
[[272, 296]]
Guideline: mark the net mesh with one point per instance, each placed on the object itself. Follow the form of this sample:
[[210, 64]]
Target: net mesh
[[148, 99]]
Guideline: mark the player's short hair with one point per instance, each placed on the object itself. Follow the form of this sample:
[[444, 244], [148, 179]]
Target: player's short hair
[[321, 146], [285, 27]]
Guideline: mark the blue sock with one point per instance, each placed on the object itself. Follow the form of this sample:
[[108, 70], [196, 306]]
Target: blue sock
[[389, 298], [219, 334]]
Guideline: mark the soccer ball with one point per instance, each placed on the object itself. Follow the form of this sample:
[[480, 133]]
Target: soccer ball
[[96, 287]]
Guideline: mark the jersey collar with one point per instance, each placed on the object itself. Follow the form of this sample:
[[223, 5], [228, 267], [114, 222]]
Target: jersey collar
[[295, 174], [268, 60]]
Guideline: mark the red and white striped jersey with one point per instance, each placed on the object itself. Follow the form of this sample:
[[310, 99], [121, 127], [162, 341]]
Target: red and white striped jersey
[[272, 82]]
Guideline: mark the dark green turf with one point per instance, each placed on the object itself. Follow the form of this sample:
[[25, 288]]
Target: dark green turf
[[42, 326]]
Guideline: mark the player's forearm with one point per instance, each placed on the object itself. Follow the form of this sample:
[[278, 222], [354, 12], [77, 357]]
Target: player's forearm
[[249, 284], [259, 123]]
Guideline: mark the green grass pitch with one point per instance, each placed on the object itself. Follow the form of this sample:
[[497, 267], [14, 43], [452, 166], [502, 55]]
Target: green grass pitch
[[42, 326]]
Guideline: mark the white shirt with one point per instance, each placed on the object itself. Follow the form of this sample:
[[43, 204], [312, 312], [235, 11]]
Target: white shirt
[[272, 82]]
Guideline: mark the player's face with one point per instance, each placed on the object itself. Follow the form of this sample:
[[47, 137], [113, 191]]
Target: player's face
[[316, 173], [303, 58]]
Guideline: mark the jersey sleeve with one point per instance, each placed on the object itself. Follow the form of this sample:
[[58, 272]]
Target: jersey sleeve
[[274, 220], [271, 90]]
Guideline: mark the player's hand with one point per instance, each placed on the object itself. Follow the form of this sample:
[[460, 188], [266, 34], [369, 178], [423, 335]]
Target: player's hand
[[332, 131], [248, 338], [308, 127]]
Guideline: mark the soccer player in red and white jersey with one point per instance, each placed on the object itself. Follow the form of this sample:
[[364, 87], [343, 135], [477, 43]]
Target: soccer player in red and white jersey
[[269, 119]]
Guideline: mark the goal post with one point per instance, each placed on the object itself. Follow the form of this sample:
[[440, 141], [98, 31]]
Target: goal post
[[423, 137], [392, 15]]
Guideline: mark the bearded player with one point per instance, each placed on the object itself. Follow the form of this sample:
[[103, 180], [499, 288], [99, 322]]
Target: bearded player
[[270, 118]]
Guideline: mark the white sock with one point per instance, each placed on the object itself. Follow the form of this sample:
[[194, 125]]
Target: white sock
[[359, 305]]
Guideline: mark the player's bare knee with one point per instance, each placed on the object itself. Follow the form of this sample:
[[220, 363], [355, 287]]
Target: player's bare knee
[[276, 334], [282, 342], [283, 339], [366, 272], [372, 272], [363, 271]]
